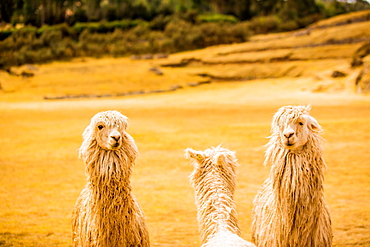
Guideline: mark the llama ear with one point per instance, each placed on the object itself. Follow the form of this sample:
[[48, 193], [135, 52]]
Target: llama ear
[[125, 122], [220, 158], [314, 125], [308, 108], [191, 153], [225, 157], [86, 132]]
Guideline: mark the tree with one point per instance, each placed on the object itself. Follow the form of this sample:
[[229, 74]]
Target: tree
[[6, 10], [242, 9], [263, 7], [29, 11], [93, 10], [303, 8]]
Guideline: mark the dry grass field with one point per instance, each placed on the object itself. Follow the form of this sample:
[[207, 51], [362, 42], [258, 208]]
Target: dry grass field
[[41, 175]]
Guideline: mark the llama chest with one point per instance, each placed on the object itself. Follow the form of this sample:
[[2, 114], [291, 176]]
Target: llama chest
[[115, 218], [297, 195], [297, 181]]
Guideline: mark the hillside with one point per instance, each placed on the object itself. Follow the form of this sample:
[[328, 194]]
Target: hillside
[[314, 52]]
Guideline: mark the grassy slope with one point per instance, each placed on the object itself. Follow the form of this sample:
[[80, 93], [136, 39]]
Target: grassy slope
[[41, 175]]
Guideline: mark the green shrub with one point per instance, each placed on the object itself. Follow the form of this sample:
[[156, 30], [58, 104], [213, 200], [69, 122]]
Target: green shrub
[[106, 27], [265, 24], [19, 38], [213, 33], [178, 31], [185, 36], [118, 48], [217, 18], [32, 45], [159, 23], [239, 32], [123, 25], [51, 38]]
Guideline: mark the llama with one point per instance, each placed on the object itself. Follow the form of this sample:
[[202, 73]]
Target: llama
[[213, 180], [106, 212], [290, 210]]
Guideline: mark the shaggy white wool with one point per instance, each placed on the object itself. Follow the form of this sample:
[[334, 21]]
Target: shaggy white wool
[[106, 212], [213, 180], [290, 210]]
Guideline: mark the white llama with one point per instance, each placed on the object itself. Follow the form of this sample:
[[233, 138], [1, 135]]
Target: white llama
[[290, 210], [106, 213], [213, 180]]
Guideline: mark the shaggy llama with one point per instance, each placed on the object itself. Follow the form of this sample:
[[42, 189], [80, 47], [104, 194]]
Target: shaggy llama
[[213, 180], [290, 210], [106, 212]]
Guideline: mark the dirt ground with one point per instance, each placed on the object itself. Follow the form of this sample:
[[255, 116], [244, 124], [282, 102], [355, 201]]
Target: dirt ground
[[41, 175]]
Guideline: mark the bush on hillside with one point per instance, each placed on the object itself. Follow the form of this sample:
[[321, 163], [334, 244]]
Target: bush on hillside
[[119, 38], [24, 46], [106, 27], [265, 24], [159, 23], [219, 18]]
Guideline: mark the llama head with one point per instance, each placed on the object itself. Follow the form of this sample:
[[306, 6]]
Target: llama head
[[217, 158], [293, 126], [107, 129]]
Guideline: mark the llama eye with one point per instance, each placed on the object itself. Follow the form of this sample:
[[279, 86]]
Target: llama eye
[[300, 123], [100, 127]]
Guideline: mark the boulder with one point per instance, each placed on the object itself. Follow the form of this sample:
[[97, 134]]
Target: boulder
[[337, 73], [363, 79], [361, 52]]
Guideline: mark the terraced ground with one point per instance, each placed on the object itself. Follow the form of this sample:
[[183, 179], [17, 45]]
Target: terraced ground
[[223, 94], [314, 52]]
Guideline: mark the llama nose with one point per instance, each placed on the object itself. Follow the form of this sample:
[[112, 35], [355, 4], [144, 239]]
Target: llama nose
[[116, 138], [288, 133], [115, 135]]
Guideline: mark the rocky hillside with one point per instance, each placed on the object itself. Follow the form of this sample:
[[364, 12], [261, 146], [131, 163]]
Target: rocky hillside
[[323, 52]]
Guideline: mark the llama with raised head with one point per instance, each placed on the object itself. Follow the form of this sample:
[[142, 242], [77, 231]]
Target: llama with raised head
[[106, 213], [213, 180], [290, 210]]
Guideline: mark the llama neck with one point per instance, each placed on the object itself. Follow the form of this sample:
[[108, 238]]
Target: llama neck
[[216, 208], [298, 176], [109, 200], [107, 169], [297, 181]]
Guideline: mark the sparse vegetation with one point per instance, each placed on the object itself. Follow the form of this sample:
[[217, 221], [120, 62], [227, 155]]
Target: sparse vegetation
[[32, 45], [120, 28]]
